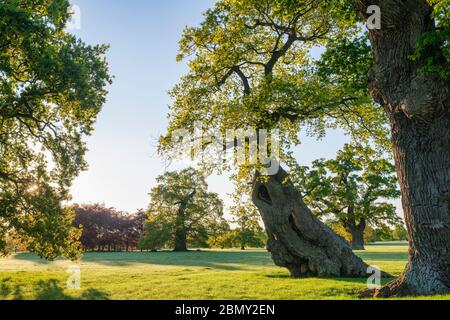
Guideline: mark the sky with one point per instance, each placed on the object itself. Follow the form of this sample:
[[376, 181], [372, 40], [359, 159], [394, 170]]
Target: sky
[[143, 36]]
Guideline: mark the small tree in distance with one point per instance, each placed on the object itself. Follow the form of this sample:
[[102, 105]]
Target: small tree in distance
[[107, 229], [181, 211], [247, 218]]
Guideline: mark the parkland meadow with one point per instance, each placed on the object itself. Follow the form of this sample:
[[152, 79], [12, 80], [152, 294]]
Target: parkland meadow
[[211, 274]]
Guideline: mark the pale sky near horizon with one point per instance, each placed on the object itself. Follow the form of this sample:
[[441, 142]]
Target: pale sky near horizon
[[143, 35]]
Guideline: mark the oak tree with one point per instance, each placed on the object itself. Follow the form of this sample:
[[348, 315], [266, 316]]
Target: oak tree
[[181, 210], [410, 80], [351, 189], [52, 86], [252, 67]]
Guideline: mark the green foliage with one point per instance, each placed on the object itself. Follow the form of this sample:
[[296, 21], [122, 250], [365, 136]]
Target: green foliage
[[350, 188], [386, 233], [246, 216], [226, 240], [181, 201], [252, 65], [218, 234], [400, 233], [52, 86], [433, 48], [346, 62], [241, 238], [156, 235], [380, 233]]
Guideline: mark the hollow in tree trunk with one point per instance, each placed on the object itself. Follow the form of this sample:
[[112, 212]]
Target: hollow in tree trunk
[[297, 240], [417, 105]]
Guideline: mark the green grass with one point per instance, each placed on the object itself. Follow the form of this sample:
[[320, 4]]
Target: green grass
[[210, 274]]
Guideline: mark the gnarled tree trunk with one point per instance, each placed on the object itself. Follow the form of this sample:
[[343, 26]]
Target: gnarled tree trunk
[[418, 107], [298, 240]]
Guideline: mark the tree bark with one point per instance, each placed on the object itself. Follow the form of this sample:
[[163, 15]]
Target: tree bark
[[180, 236], [298, 240], [418, 108], [357, 233], [180, 225], [180, 241]]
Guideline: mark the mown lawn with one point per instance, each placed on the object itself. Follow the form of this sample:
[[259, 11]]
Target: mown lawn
[[194, 275]]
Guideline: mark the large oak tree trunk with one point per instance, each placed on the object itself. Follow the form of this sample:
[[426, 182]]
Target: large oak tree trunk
[[298, 240], [418, 109]]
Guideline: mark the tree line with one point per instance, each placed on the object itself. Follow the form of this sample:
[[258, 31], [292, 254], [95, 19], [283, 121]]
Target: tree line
[[183, 214]]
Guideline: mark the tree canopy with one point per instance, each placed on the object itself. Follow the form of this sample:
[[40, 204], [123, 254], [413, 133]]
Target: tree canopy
[[52, 86], [351, 189], [256, 64]]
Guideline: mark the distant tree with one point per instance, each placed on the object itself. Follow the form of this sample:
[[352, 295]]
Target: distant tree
[[383, 233], [247, 218], [217, 232], [13, 244], [351, 189], [226, 240], [156, 234], [400, 233], [379, 233], [108, 229], [94, 221], [52, 86], [181, 202]]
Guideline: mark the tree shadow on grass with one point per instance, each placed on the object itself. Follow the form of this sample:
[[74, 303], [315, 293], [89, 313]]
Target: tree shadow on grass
[[51, 290], [206, 259], [336, 287], [10, 291], [384, 280], [389, 244], [383, 256], [26, 256], [234, 260], [47, 290]]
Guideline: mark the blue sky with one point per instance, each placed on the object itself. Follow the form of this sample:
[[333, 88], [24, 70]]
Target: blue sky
[[143, 35]]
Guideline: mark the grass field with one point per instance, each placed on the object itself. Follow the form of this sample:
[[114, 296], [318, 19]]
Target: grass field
[[193, 275]]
